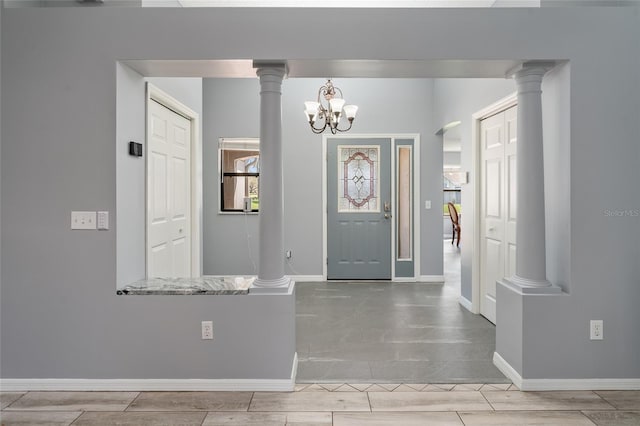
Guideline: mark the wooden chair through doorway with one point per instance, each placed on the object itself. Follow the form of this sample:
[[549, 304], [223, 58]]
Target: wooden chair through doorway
[[455, 222]]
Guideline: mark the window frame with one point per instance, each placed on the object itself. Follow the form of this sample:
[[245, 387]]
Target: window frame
[[235, 144]]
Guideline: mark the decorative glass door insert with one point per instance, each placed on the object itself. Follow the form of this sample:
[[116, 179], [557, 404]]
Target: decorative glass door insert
[[358, 178]]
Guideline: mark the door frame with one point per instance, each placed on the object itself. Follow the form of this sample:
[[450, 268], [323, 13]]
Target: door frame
[[415, 194], [155, 94], [501, 105]]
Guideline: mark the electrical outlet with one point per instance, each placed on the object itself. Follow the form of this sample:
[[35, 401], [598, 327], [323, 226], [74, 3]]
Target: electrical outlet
[[288, 254], [427, 204], [83, 220], [596, 330], [207, 330]]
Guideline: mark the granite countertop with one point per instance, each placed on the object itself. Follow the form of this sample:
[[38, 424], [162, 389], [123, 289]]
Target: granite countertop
[[189, 286]]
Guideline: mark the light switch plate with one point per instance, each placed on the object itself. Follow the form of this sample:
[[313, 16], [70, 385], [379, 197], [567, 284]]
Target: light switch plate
[[427, 204], [103, 221], [83, 220]]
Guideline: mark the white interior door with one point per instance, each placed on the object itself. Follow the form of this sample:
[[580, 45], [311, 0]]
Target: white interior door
[[168, 193], [498, 141]]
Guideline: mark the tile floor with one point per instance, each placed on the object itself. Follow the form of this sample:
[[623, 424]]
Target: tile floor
[[393, 332], [328, 404]]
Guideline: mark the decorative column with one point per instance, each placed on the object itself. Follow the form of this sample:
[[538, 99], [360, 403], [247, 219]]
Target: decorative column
[[531, 269], [271, 260]]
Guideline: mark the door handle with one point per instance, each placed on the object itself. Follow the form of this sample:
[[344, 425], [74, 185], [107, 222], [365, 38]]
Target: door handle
[[387, 215]]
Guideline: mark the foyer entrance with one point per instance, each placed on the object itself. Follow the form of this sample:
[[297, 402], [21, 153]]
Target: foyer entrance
[[359, 209]]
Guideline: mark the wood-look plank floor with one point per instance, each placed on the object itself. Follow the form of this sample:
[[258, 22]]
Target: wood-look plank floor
[[339, 404]]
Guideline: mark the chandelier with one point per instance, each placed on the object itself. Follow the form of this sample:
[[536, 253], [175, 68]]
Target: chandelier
[[332, 113]]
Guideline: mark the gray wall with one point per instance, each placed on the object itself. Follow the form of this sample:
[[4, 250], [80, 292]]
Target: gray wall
[[58, 155], [225, 235], [457, 99], [130, 171]]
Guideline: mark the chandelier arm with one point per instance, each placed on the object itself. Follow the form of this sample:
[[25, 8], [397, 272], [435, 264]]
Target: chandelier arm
[[318, 130], [347, 129]]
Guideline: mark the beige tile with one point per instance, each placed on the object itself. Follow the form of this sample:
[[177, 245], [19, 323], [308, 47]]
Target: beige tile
[[309, 418], [623, 400], [129, 418], [437, 388], [331, 386], [388, 386], [315, 388], [74, 401], [525, 418], [268, 419], [433, 388], [248, 419], [346, 388], [555, 400], [444, 386], [496, 387], [405, 388], [301, 386], [416, 386], [193, 401], [310, 401], [428, 401], [467, 387], [7, 398], [58, 418], [614, 418], [394, 419], [360, 386], [377, 388]]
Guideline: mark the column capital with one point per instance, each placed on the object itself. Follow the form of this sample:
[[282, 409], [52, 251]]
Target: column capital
[[530, 68], [271, 67]]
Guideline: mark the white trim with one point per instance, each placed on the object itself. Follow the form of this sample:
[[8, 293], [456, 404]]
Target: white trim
[[307, 278], [562, 384], [254, 385], [506, 369], [158, 95], [431, 279], [466, 303], [476, 118], [416, 199]]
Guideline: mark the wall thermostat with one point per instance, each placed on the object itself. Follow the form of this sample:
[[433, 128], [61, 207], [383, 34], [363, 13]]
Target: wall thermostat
[[135, 149]]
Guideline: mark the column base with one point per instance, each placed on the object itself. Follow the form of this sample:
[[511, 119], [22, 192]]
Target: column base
[[282, 285], [527, 286]]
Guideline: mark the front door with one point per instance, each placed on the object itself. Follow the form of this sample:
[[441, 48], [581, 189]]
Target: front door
[[359, 209]]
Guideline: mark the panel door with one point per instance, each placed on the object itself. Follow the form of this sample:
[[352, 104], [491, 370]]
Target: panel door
[[359, 209], [168, 193], [498, 142]]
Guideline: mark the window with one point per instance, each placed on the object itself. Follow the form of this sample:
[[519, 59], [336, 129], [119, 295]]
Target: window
[[239, 173], [452, 180]]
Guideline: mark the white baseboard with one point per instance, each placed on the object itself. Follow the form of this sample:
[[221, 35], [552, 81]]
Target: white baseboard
[[431, 279], [466, 303], [562, 384], [255, 385], [307, 278], [506, 369]]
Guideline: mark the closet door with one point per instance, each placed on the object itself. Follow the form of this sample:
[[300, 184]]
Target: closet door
[[498, 141]]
